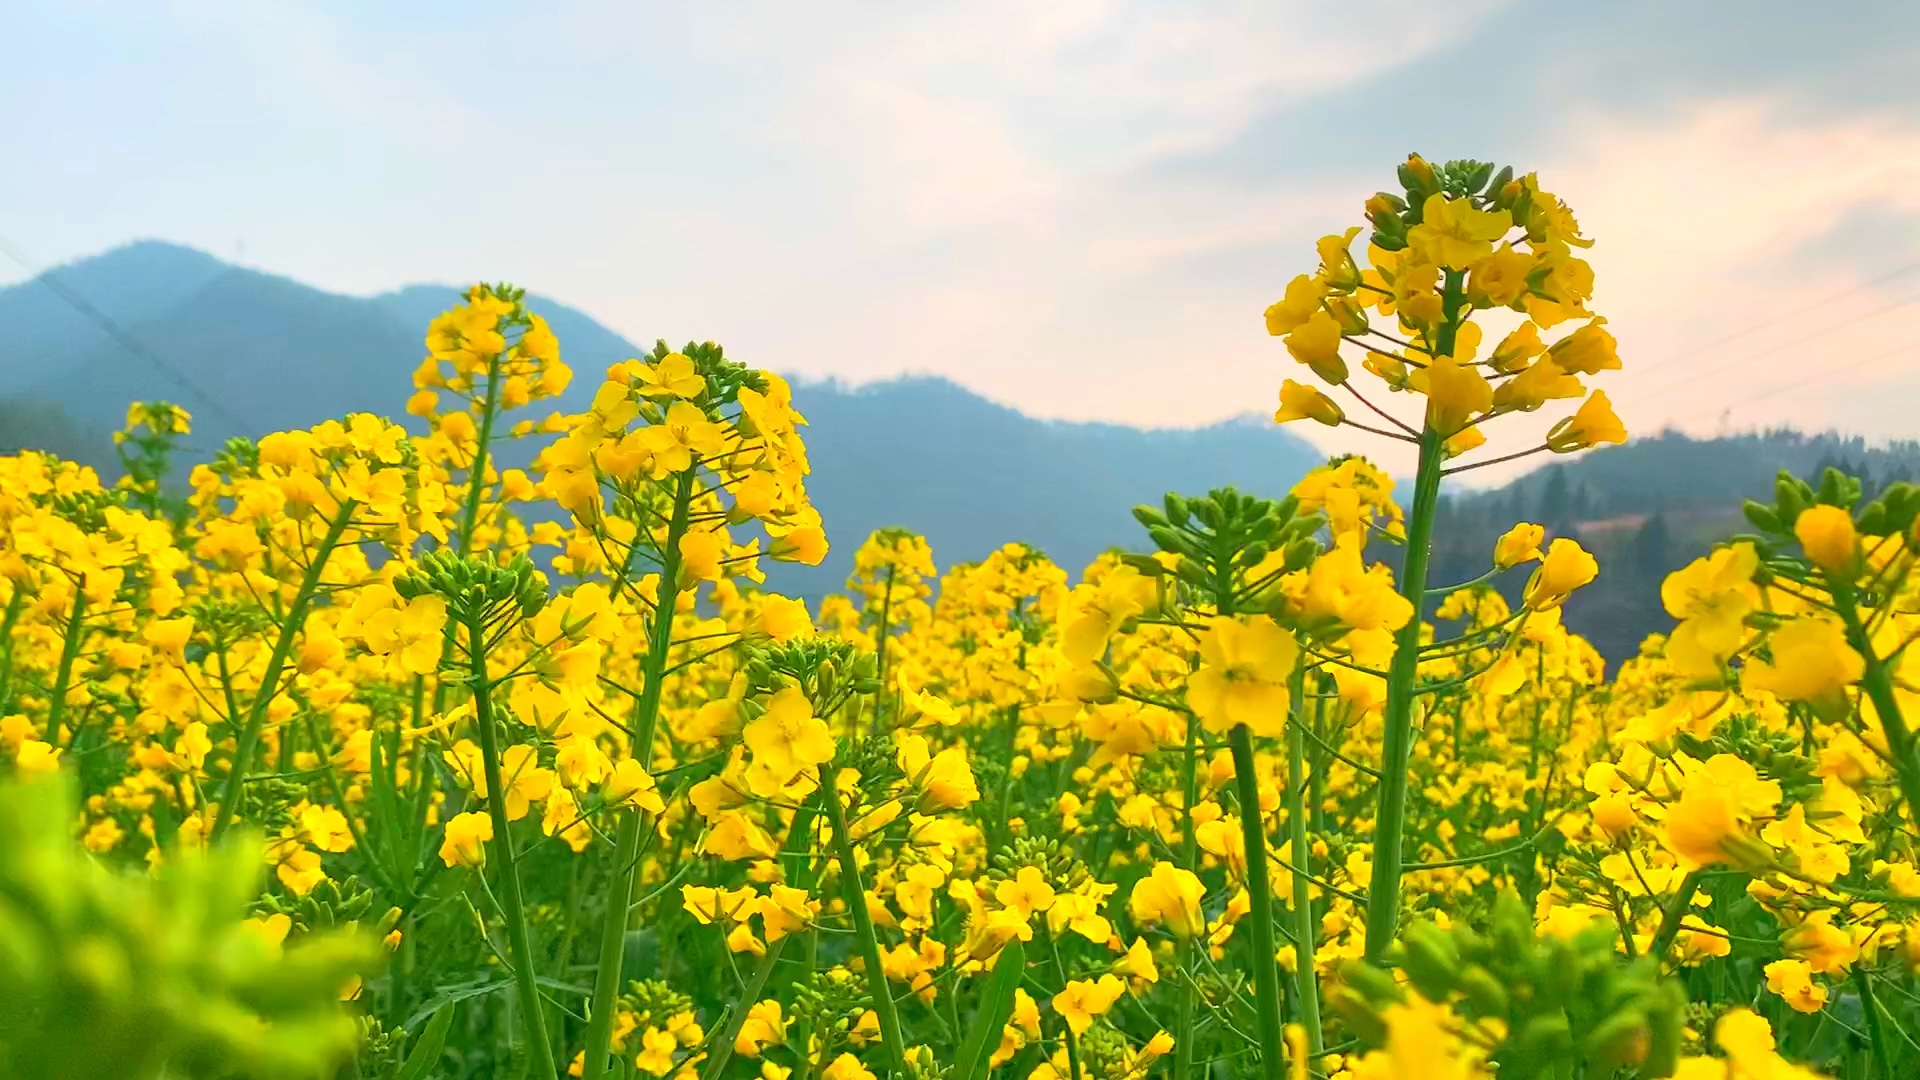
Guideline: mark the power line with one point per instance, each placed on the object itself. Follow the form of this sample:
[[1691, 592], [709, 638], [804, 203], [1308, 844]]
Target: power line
[[119, 335], [1822, 375], [1749, 357], [1790, 314]]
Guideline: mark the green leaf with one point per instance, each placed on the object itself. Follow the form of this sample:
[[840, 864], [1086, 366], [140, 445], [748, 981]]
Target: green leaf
[[426, 1052], [996, 1008]]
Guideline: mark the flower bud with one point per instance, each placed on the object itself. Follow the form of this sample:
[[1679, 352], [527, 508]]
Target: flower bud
[[1429, 960], [1790, 496], [1301, 553], [1148, 517], [1761, 516], [1348, 312], [1417, 177], [1827, 535], [1483, 990]]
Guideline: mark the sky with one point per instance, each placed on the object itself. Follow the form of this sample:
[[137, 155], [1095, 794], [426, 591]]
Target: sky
[[1079, 207]]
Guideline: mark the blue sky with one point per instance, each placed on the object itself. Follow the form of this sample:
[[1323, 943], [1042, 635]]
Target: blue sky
[[1077, 207]]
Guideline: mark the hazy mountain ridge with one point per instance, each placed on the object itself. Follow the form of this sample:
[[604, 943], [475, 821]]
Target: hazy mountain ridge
[[918, 452], [268, 353]]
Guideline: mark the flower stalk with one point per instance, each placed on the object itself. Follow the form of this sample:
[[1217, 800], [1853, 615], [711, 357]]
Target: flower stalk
[[1266, 964], [69, 652], [1189, 861], [1877, 683], [1305, 978], [1390, 820], [290, 625], [855, 894], [626, 865], [512, 909], [477, 472]]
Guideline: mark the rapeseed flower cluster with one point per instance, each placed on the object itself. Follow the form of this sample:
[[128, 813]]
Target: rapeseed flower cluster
[[1248, 796]]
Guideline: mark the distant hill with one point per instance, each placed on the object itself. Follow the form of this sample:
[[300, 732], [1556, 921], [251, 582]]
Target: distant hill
[[269, 353], [922, 453], [1646, 509]]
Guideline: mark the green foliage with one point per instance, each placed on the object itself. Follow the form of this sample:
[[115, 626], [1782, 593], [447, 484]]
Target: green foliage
[[106, 975], [996, 1007]]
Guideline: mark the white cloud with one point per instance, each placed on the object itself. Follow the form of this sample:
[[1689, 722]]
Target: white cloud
[[1700, 219], [980, 190]]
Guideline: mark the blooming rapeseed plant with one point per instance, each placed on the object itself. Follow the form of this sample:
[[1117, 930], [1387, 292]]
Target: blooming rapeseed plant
[[1255, 798]]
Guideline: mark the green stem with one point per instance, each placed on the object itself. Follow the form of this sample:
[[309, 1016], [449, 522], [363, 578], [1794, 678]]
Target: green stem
[[1066, 1029], [880, 646], [290, 625], [1670, 919], [1396, 750], [1528, 874], [1266, 967], [15, 604], [1317, 765], [856, 898], [1878, 684], [613, 932], [1305, 977], [750, 994], [1190, 860], [477, 473], [69, 651], [613, 945], [386, 806], [511, 906], [337, 791], [1882, 1054]]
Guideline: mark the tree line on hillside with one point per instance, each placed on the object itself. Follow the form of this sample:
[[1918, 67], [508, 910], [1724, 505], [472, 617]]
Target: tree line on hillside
[[1645, 510]]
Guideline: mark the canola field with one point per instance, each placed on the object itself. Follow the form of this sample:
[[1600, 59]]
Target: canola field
[[352, 752]]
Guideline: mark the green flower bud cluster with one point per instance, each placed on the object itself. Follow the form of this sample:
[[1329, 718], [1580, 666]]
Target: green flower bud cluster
[[238, 456], [1393, 215], [1778, 754], [1893, 512], [922, 1064], [268, 801], [87, 509], [830, 1004], [874, 758], [724, 377], [330, 904], [827, 670], [1105, 1052], [1062, 868], [475, 585], [1570, 1007], [224, 621], [1793, 496], [654, 1001], [378, 1046], [1222, 535]]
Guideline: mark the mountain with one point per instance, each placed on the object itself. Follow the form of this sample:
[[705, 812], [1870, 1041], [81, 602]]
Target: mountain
[[255, 353], [249, 352], [971, 475]]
